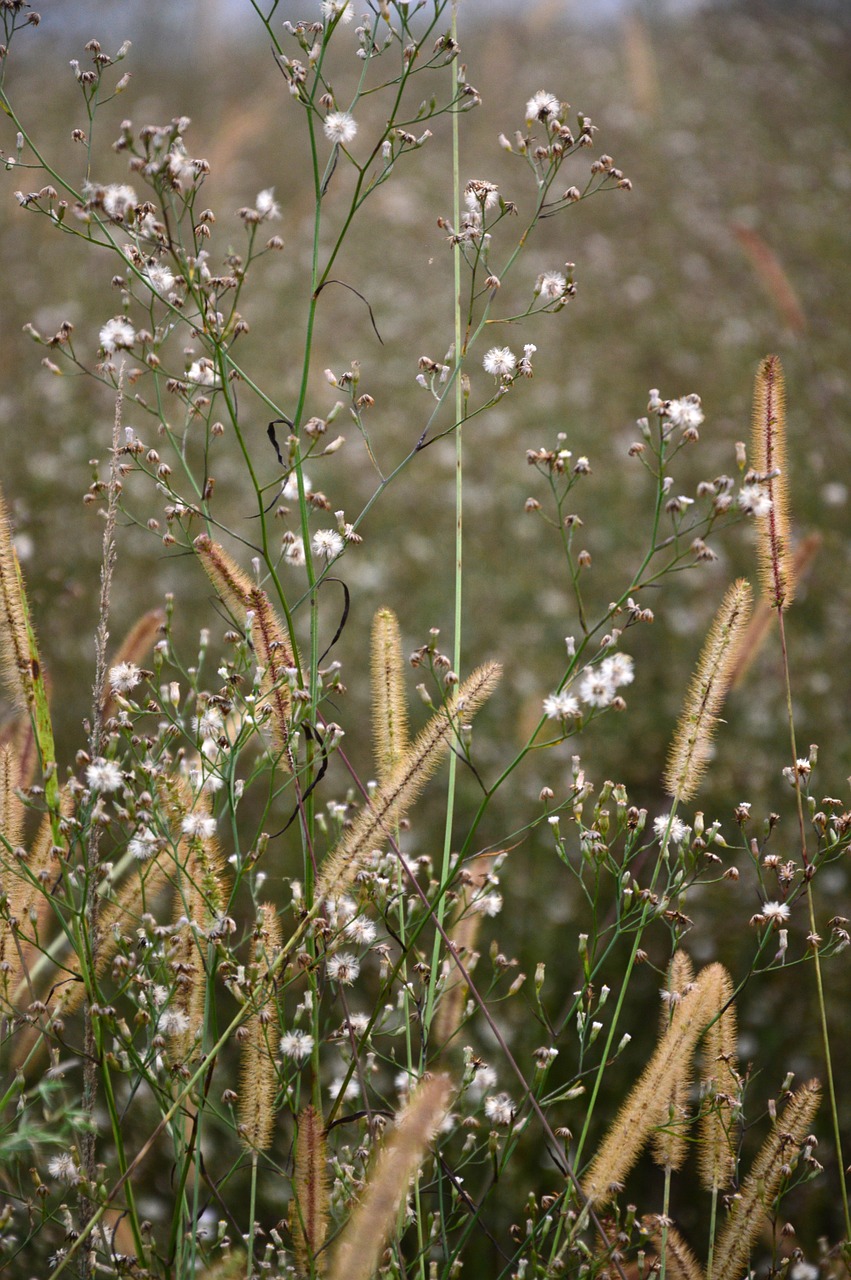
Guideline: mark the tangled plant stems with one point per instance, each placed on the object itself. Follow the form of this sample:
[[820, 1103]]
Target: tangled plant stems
[[246, 1024]]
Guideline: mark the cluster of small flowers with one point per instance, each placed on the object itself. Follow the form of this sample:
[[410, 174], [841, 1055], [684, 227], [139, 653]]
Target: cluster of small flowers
[[598, 687]]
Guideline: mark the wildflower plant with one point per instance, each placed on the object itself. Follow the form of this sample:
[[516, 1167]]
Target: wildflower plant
[[228, 950]]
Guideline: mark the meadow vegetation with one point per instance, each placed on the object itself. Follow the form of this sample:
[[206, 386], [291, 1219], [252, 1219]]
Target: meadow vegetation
[[419, 866]]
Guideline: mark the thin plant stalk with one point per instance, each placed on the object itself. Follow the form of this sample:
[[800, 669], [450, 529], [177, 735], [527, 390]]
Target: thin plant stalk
[[459, 535]]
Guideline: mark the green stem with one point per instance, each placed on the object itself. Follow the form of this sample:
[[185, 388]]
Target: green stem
[[459, 495]]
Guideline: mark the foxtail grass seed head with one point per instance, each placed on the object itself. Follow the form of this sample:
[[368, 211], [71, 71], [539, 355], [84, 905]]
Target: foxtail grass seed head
[[309, 1207], [648, 1104], [380, 815], [680, 1262], [257, 1083], [768, 443], [20, 664], [669, 1140], [760, 624], [362, 1240], [251, 607], [11, 804], [690, 748], [754, 1203], [389, 705], [720, 1088]]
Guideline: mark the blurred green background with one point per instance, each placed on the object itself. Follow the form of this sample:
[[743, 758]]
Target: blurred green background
[[733, 121]]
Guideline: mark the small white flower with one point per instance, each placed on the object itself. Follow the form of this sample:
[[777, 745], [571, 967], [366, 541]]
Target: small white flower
[[159, 277], [343, 968], [619, 668], [63, 1168], [199, 824], [484, 1079], [339, 127], [116, 334], [266, 205], [351, 1091], [550, 285], [403, 1081], [596, 688], [290, 489], [297, 1045], [294, 552], [543, 106], [776, 912], [118, 199], [360, 930], [209, 724], [479, 195], [499, 1109], [203, 372], [174, 1022], [330, 9], [754, 500], [124, 676], [182, 168], [500, 361], [103, 775], [327, 544], [685, 413], [560, 706], [142, 845], [678, 832], [488, 904]]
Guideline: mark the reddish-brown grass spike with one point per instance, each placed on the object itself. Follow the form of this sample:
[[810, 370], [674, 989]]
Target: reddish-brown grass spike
[[309, 1205], [769, 455], [252, 608]]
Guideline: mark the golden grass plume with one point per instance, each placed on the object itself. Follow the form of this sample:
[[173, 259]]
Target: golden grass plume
[[365, 1235], [720, 1088], [647, 1105], [389, 706], [763, 614], [680, 1262], [754, 1202], [690, 746], [19, 660], [380, 815], [669, 1140]]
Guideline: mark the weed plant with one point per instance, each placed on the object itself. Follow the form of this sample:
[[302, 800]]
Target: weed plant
[[252, 1018]]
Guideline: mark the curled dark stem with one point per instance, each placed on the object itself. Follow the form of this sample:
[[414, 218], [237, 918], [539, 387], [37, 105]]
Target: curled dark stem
[[343, 619], [310, 732], [353, 290]]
